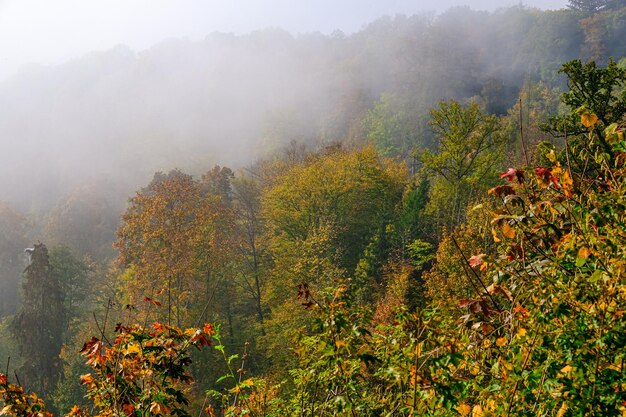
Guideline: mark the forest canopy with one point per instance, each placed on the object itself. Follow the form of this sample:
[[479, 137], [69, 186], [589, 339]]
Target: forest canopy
[[431, 222]]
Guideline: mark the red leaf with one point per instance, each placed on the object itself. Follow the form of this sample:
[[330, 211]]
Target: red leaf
[[158, 327], [512, 174], [476, 260], [129, 409], [516, 252], [466, 302], [151, 301], [92, 346], [545, 174]]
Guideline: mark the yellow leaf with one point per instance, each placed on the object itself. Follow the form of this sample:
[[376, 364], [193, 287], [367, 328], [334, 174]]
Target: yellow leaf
[[562, 410], [551, 156], [588, 119], [463, 409], [567, 183], [248, 383], [521, 332], [132, 349], [487, 343], [501, 341], [475, 370], [477, 411], [508, 231], [495, 235], [413, 376]]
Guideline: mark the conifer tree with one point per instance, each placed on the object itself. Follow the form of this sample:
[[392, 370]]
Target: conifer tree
[[38, 326], [588, 6]]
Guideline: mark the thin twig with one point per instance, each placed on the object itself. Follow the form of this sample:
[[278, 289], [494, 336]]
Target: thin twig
[[495, 304], [102, 335], [521, 133]]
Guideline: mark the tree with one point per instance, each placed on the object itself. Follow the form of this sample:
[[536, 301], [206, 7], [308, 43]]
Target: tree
[[588, 6], [598, 95], [86, 220], [218, 182], [542, 327], [172, 243], [390, 127], [600, 90], [351, 192], [73, 275], [322, 218], [470, 147], [253, 248], [594, 6], [39, 325], [12, 244]]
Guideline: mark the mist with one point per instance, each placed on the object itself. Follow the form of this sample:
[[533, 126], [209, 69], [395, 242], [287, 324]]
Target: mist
[[78, 138], [227, 98]]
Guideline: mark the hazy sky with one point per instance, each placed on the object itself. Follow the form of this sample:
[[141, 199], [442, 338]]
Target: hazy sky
[[53, 31]]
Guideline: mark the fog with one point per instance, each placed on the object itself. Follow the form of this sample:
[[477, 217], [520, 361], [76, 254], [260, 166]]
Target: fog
[[50, 32], [114, 91]]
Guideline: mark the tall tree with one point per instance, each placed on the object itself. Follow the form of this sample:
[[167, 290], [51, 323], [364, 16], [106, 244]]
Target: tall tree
[[252, 247], [470, 145], [588, 6], [323, 216], [73, 275], [38, 326], [352, 192], [172, 241]]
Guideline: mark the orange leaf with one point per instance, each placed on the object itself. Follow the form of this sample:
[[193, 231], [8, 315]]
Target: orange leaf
[[86, 379], [584, 253], [75, 411], [463, 409], [209, 329], [129, 409], [508, 231]]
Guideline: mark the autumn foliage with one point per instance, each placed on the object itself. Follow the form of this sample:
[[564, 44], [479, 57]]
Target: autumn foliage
[[520, 302], [143, 371]]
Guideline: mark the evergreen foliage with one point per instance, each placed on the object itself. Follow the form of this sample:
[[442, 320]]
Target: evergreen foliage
[[38, 327]]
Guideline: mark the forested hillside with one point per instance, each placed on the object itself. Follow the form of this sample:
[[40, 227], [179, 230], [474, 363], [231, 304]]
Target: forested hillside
[[227, 99], [423, 218]]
